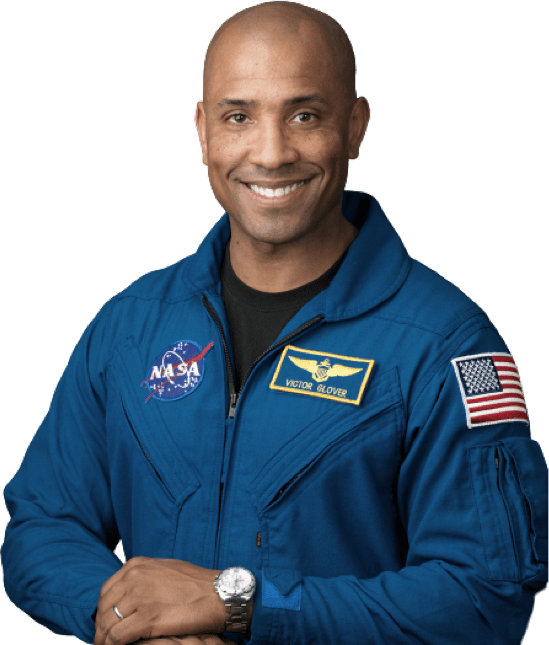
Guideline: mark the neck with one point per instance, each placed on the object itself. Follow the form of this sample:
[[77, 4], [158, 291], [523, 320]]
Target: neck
[[274, 268]]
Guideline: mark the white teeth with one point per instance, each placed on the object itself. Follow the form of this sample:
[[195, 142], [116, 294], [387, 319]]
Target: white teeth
[[278, 192]]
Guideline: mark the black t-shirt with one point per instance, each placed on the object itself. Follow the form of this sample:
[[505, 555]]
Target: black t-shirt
[[256, 318]]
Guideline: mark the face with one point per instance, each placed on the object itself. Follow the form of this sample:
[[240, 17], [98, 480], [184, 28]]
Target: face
[[277, 134]]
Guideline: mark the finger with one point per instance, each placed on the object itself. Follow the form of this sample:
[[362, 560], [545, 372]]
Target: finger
[[130, 630], [106, 603], [190, 639], [167, 640], [151, 641], [107, 619], [171, 640], [155, 641], [137, 628]]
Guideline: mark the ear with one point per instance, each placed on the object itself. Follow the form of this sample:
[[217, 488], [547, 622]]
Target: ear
[[200, 122], [358, 122]]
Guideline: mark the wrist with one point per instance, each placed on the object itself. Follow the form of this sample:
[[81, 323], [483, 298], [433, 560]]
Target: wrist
[[219, 607], [250, 609], [236, 587]]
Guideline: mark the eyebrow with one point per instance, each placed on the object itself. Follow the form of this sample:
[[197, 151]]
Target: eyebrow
[[295, 100]]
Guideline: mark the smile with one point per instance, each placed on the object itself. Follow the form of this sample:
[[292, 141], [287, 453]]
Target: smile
[[282, 191]]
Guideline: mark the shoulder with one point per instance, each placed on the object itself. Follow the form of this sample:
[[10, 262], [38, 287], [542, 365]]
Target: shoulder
[[141, 305], [183, 280], [428, 301], [168, 284]]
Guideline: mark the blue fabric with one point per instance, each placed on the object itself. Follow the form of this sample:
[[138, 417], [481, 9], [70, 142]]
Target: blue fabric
[[281, 589], [393, 521]]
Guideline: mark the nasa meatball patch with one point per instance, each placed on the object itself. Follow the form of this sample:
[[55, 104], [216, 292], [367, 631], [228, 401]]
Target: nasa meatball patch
[[328, 376], [177, 371]]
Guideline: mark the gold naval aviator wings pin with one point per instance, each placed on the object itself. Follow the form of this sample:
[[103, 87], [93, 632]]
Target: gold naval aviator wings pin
[[290, 377]]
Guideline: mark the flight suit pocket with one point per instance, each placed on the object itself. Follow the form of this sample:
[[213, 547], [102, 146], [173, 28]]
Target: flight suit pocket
[[149, 428], [314, 497], [510, 483]]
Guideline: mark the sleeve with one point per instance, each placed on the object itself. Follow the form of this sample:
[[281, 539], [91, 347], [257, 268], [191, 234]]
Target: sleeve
[[473, 502], [58, 548]]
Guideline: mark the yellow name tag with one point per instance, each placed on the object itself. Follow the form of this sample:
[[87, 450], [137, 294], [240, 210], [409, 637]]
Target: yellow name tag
[[329, 376]]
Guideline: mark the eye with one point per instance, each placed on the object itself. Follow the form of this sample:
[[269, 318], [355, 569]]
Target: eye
[[237, 118], [305, 117]]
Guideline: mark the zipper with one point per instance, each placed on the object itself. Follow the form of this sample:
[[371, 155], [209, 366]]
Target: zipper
[[286, 338], [147, 456], [234, 396], [286, 486], [143, 449], [498, 485], [232, 404]]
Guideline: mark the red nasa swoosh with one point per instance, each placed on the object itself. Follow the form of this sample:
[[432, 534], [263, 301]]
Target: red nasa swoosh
[[194, 359]]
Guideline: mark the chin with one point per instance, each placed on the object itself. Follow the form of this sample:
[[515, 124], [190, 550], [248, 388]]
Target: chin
[[275, 232], [276, 238]]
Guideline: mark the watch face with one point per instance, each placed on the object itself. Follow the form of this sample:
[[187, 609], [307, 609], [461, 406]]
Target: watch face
[[236, 581]]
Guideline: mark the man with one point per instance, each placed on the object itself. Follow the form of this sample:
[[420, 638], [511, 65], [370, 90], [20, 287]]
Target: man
[[299, 398]]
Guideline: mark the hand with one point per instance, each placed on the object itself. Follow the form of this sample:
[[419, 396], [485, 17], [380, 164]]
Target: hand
[[200, 639], [158, 598]]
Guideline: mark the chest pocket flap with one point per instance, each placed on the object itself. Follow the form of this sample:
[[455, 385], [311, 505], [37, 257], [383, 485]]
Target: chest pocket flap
[[149, 426], [320, 438]]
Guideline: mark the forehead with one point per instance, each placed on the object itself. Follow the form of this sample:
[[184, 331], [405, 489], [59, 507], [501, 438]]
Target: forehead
[[249, 62]]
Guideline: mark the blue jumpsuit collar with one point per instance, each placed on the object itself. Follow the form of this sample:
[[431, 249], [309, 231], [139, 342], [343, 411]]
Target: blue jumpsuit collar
[[377, 260]]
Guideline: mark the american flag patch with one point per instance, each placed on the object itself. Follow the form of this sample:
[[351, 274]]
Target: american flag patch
[[490, 389]]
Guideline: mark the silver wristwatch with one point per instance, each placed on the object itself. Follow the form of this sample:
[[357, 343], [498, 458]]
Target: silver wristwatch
[[236, 587]]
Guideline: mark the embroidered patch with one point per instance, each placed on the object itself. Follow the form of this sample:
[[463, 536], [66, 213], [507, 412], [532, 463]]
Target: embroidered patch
[[177, 371], [329, 376], [490, 388]]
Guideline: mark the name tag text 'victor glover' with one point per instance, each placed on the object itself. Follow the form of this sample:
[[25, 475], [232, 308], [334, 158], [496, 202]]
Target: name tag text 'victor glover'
[[325, 371]]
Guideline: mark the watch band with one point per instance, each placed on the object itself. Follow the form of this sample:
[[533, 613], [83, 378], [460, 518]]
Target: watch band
[[236, 617]]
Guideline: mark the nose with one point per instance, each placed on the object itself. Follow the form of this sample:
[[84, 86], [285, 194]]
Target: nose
[[273, 145]]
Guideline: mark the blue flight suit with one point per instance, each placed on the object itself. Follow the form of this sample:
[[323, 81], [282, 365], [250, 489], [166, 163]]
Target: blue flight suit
[[368, 473]]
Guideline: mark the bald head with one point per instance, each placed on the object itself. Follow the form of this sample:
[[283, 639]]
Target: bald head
[[278, 21], [280, 114]]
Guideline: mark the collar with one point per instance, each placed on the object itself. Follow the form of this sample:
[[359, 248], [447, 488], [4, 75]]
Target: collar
[[375, 267]]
